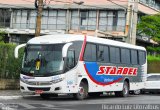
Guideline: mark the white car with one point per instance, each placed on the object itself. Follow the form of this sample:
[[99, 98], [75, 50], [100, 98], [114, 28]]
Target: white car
[[152, 85]]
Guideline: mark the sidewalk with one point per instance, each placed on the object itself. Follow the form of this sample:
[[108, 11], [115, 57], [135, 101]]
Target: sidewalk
[[10, 93]]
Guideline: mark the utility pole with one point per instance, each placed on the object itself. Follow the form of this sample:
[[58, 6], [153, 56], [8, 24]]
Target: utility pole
[[131, 23], [39, 5], [128, 28]]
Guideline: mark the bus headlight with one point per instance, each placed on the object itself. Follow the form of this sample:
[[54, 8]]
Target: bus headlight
[[23, 80], [56, 80]]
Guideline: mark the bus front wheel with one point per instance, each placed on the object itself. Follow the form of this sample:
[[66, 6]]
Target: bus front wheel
[[82, 92]]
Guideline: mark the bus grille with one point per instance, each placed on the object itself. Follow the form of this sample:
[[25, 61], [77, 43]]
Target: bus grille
[[38, 88], [39, 83]]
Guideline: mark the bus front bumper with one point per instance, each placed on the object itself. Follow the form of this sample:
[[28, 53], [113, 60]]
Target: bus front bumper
[[39, 89]]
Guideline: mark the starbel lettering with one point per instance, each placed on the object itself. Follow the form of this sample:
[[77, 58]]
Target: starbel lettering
[[113, 70]]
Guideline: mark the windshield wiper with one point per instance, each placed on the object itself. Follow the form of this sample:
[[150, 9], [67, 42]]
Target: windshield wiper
[[23, 72], [26, 73], [53, 73]]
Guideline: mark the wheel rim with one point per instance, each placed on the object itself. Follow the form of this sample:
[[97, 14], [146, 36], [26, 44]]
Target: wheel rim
[[125, 89], [81, 91]]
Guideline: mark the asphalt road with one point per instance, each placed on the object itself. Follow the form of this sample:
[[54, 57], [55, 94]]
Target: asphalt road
[[108, 102]]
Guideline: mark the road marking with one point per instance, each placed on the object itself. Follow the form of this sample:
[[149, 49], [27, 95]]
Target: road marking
[[28, 106], [8, 106], [48, 105], [54, 107], [10, 97]]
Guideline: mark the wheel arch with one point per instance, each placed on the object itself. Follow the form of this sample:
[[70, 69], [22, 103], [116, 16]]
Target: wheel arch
[[84, 93], [85, 81], [127, 80]]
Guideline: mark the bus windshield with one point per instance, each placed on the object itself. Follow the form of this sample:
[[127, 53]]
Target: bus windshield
[[43, 60]]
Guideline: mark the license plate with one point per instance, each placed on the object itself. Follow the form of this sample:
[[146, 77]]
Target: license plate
[[38, 91]]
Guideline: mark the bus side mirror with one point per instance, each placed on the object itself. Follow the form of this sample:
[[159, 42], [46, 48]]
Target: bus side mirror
[[17, 49], [70, 59], [65, 49]]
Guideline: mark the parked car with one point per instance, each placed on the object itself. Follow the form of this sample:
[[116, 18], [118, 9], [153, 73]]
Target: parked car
[[152, 85]]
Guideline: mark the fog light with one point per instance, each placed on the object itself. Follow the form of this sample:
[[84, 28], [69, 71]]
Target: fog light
[[57, 88], [22, 87]]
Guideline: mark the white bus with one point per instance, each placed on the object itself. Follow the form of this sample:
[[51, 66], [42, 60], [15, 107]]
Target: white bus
[[81, 65]]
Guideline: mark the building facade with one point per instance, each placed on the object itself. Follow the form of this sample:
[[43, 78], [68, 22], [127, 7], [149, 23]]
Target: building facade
[[112, 19]]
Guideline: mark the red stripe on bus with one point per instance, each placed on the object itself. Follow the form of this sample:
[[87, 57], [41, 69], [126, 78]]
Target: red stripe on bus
[[100, 83], [83, 48]]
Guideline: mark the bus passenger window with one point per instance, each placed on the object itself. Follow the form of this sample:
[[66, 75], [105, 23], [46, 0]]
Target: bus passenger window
[[117, 53], [114, 55], [100, 56], [125, 56], [106, 54], [134, 57], [90, 52], [142, 57]]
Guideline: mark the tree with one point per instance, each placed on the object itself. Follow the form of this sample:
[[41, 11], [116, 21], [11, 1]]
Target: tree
[[150, 26], [2, 36]]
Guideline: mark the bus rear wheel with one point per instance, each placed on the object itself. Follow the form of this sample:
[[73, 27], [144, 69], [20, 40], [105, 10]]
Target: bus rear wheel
[[124, 92], [82, 92]]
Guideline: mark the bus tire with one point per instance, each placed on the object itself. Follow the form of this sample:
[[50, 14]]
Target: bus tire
[[125, 90], [82, 92]]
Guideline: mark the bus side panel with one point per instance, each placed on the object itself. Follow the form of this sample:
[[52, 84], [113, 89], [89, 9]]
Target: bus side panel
[[96, 87], [139, 83], [108, 82]]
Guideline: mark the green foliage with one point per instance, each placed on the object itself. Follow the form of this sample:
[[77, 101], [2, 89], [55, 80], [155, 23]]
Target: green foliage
[[2, 36], [153, 49], [150, 26], [151, 58], [153, 64], [153, 67], [9, 66]]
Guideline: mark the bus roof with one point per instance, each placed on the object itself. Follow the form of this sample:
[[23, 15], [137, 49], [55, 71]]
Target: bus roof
[[64, 38]]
